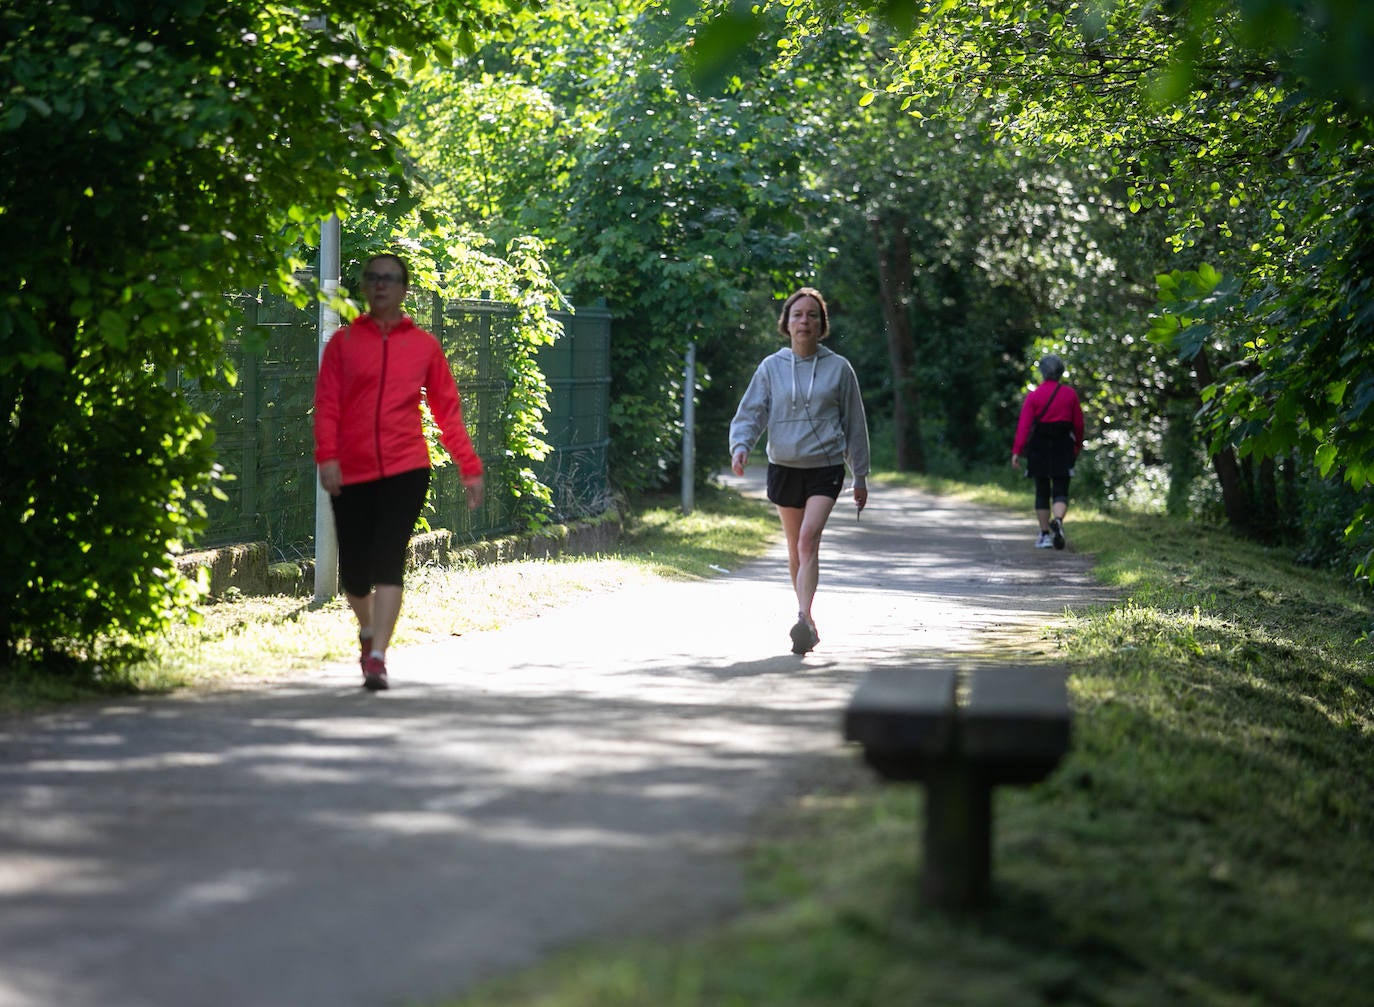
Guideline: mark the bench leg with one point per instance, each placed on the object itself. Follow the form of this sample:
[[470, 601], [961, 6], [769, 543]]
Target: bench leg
[[958, 839]]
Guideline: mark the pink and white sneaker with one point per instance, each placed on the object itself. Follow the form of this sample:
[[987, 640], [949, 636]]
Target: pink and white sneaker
[[374, 674]]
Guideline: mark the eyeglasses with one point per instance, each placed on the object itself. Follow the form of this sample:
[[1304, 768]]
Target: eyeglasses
[[376, 278]]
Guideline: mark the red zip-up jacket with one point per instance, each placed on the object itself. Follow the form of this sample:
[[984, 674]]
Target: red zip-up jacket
[[367, 402], [1064, 407]]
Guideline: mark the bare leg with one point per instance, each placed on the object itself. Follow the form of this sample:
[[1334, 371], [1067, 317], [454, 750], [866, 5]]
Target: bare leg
[[803, 528], [377, 614], [791, 518], [362, 608], [386, 609], [1043, 516]]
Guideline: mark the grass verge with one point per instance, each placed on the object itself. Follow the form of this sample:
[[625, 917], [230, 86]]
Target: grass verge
[[1207, 842]]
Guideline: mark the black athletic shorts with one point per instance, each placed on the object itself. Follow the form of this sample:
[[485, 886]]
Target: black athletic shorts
[[374, 521], [789, 487]]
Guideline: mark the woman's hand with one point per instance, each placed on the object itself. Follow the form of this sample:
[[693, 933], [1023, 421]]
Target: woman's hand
[[475, 487], [860, 495], [738, 461], [1016, 462], [331, 477]]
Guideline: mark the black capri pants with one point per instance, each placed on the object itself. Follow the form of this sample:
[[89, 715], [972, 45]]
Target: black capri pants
[[374, 521], [1049, 488]]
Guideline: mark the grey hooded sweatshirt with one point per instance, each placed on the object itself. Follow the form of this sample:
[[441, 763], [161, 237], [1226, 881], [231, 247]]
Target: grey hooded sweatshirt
[[812, 411]]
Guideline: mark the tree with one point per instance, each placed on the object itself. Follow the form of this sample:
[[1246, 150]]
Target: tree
[[153, 155]]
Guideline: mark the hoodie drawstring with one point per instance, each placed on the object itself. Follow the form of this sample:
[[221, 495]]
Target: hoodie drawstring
[[815, 359]]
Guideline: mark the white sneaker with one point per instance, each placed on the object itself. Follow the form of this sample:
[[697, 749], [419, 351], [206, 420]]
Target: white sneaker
[[1045, 541]]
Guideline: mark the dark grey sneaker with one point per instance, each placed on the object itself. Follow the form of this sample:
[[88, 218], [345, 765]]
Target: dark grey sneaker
[[804, 637], [1057, 532]]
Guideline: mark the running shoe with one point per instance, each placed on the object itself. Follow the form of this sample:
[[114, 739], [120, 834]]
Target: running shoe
[[374, 674], [804, 637], [1045, 541], [1057, 532]]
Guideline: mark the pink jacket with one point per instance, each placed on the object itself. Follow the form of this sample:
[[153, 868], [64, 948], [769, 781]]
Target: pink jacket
[[367, 402], [1064, 408]]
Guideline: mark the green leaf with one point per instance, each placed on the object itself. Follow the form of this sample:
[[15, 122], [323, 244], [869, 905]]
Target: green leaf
[[719, 44], [1326, 458], [114, 329], [1190, 340]]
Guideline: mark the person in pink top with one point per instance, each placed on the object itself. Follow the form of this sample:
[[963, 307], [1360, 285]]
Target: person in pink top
[[371, 450], [1050, 436]]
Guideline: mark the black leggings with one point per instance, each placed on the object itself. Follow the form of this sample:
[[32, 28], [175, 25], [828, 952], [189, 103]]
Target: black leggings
[[374, 521], [1050, 488]]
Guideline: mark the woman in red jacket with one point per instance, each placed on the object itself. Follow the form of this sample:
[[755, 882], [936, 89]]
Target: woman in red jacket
[[1050, 435], [371, 450]]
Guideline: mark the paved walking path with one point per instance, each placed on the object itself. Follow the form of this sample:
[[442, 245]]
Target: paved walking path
[[588, 773]]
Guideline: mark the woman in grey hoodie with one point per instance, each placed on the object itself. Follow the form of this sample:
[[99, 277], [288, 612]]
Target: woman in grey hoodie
[[807, 398]]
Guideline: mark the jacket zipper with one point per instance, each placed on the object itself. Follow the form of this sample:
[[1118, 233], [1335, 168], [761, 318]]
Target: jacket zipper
[[377, 426]]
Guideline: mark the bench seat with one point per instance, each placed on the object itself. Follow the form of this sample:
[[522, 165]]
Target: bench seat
[[960, 731]]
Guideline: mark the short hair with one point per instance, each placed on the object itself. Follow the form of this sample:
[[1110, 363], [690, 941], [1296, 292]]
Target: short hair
[[405, 270], [1051, 367], [787, 307]]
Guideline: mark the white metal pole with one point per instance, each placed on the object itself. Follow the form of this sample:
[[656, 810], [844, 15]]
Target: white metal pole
[[689, 422], [326, 545]]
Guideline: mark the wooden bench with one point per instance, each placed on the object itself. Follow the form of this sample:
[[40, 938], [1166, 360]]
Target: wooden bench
[[960, 732]]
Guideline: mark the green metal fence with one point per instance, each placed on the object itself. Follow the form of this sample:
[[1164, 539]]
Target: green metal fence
[[265, 444]]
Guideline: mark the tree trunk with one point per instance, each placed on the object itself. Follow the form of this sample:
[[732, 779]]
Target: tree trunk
[[1180, 449], [1224, 463], [1267, 501], [894, 281], [1232, 488]]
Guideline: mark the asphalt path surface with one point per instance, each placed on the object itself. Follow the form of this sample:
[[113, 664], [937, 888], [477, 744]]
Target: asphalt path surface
[[592, 773]]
